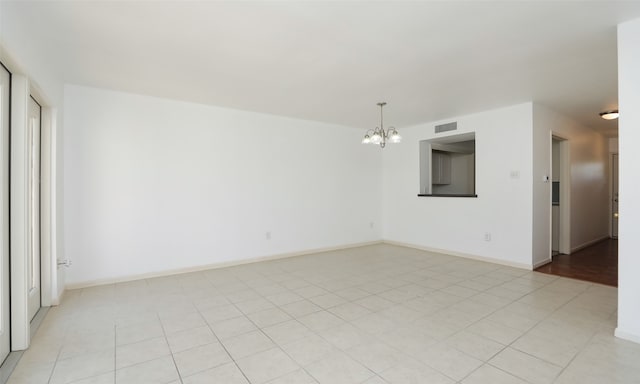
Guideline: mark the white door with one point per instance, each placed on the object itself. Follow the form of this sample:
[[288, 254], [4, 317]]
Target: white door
[[614, 203], [33, 208], [5, 334]]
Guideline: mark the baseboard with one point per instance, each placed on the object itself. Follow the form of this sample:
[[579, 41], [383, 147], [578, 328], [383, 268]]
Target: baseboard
[[627, 336], [589, 243], [57, 300], [224, 264], [541, 263], [460, 254]]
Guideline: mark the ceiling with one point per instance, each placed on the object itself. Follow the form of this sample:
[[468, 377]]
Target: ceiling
[[333, 61]]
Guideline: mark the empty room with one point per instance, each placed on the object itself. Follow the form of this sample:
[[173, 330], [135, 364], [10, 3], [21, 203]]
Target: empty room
[[319, 192]]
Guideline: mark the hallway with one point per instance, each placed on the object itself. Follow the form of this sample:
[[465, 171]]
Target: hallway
[[597, 263]]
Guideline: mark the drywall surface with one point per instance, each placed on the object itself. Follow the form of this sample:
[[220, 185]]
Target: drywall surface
[[629, 188], [157, 185], [589, 181], [502, 209]]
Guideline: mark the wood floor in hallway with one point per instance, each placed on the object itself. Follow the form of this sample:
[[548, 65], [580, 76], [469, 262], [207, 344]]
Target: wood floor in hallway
[[597, 263]]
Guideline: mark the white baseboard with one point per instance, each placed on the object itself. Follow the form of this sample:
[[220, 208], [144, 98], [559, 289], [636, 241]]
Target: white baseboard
[[224, 264], [460, 254], [627, 336], [589, 243], [541, 263]]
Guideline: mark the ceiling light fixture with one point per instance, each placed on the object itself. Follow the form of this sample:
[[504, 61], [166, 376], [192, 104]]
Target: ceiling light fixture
[[610, 115], [379, 135]]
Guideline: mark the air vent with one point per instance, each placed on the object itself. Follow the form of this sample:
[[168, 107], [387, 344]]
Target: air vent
[[447, 127]]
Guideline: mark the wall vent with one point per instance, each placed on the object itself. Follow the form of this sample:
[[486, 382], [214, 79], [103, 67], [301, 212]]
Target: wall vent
[[447, 127]]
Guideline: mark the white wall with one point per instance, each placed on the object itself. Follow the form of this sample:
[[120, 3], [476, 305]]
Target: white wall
[[589, 179], [457, 225], [155, 185], [629, 134]]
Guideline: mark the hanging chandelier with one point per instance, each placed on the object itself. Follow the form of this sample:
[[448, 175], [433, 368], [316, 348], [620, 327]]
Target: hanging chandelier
[[379, 135]]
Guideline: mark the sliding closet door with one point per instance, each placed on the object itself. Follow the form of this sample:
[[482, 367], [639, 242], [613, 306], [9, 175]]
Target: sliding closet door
[[5, 331], [33, 208]]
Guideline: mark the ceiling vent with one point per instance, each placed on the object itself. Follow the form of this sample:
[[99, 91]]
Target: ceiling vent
[[447, 127]]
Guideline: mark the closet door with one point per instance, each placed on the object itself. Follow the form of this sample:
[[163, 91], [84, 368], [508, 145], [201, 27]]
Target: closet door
[[5, 316]]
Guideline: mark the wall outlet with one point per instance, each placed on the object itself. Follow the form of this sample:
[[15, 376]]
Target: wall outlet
[[267, 235], [487, 236]]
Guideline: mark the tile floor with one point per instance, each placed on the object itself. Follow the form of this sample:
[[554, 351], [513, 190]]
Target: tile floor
[[374, 315]]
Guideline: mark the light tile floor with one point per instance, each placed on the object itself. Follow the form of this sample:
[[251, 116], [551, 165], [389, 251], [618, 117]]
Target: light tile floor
[[377, 314]]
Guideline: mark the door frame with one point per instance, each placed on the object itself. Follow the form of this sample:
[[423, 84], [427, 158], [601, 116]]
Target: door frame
[[21, 91], [564, 245], [611, 194]]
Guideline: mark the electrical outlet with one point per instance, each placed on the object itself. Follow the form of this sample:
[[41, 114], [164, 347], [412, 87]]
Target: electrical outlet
[[267, 235], [487, 236]]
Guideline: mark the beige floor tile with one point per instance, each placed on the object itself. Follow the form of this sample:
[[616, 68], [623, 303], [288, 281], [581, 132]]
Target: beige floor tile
[[319, 321], [200, 359], [220, 313], [227, 374], [268, 317], [449, 361], [181, 322], [84, 366], [106, 378], [232, 327], [131, 354], [349, 311], [267, 365], [295, 377], [345, 336], [300, 308], [308, 350], [191, 338], [161, 370], [139, 332], [489, 374], [475, 345], [525, 366], [339, 369], [287, 332], [376, 356], [410, 372], [247, 344]]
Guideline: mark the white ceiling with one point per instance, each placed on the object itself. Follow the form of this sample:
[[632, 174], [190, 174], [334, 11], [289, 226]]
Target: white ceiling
[[333, 61]]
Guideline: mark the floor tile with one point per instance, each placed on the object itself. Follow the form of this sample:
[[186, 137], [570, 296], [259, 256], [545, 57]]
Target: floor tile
[[300, 308], [308, 350], [200, 359], [81, 367], [247, 344], [489, 374], [225, 374], [410, 372], [232, 327], [161, 370], [183, 340], [287, 332], [266, 365], [339, 369], [131, 354], [268, 317], [525, 366], [139, 332], [295, 377]]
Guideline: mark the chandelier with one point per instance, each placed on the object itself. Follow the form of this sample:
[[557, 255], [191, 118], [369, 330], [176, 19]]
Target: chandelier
[[379, 135]]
